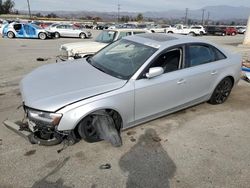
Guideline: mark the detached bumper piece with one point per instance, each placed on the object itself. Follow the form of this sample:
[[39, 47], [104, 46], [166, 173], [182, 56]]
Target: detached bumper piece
[[36, 137]]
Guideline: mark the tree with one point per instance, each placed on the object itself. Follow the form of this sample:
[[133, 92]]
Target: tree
[[6, 7], [139, 17], [52, 15]]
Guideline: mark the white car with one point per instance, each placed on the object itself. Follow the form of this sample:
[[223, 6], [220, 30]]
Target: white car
[[186, 30], [78, 50], [69, 30]]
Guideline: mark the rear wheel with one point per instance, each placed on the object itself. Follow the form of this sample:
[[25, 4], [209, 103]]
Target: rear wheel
[[222, 91], [191, 34], [10, 35], [82, 36], [233, 34], [42, 36]]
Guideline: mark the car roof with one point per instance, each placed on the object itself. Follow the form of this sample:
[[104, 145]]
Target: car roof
[[158, 40]]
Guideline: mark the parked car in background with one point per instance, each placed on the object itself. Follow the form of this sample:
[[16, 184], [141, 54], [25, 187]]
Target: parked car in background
[[26, 30], [131, 81], [186, 30], [80, 49], [158, 28], [69, 30], [241, 29], [221, 30]]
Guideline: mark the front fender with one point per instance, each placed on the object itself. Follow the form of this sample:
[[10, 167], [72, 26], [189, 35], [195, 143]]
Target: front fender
[[121, 100]]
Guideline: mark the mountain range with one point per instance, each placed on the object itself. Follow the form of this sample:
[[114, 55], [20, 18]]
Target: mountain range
[[222, 12]]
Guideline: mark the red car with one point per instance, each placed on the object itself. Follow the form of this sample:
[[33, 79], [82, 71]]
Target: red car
[[230, 31]]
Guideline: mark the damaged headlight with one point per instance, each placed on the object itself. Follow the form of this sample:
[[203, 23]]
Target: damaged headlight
[[46, 117]]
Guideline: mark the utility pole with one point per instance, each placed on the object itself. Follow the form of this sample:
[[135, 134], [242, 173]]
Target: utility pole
[[208, 17], [202, 20], [118, 13], [29, 8], [186, 16]]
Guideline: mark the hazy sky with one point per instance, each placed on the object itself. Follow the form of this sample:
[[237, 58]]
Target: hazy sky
[[126, 5]]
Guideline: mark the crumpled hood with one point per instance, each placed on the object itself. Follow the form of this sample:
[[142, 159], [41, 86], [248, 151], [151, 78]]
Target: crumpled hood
[[53, 86], [83, 47]]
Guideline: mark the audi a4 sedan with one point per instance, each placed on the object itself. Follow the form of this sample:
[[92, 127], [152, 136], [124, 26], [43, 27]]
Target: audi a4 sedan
[[130, 81]]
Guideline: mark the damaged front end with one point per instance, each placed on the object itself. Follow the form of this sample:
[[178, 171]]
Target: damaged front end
[[42, 128]]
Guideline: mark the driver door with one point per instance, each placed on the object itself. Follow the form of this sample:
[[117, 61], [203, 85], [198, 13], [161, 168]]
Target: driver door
[[161, 93]]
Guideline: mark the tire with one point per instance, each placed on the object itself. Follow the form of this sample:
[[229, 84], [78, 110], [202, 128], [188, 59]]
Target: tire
[[88, 131], [35, 139], [99, 127], [10, 35], [191, 34], [223, 34], [82, 36], [201, 33], [233, 34], [222, 91], [57, 35], [42, 36]]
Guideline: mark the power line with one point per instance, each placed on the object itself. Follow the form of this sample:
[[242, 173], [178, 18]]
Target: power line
[[118, 13], [202, 21], [186, 16], [29, 8]]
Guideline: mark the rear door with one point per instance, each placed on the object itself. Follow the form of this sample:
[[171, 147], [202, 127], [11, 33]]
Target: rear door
[[29, 31]]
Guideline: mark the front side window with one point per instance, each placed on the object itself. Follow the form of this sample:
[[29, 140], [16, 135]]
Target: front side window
[[169, 61], [122, 58], [199, 54]]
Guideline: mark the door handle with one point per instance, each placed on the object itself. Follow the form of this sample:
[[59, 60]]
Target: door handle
[[181, 81], [214, 72]]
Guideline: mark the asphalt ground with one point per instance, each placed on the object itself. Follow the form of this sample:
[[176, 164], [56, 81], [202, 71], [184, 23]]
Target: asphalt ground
[[203, 146]]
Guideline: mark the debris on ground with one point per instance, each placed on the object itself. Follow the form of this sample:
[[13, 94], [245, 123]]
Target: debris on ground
[[42, 59], [156, 139], [105, 166], [29, 153], [132, 139]]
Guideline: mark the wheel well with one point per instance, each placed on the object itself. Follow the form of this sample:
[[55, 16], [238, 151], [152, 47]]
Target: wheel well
[[82, 33], [113, 113], [11, 32], [231, 78]]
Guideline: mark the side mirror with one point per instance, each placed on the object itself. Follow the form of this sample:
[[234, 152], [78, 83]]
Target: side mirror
[[154, 71]]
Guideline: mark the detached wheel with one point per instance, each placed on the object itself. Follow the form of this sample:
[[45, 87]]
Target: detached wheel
[[42, 36], [57, 35], [221, 92], [82, 36], [10, 35]]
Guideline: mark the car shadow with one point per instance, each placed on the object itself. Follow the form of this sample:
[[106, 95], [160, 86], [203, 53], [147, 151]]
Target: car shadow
[[147, 164]]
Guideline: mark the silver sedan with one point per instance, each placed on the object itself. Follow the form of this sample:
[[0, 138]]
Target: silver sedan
[[131, 81]]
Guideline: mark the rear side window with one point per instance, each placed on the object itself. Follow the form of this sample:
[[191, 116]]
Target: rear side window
[[199, 54], [218, 54]]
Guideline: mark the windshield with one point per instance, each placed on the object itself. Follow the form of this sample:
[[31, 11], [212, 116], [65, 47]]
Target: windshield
[[106, 36], [122, 58]]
